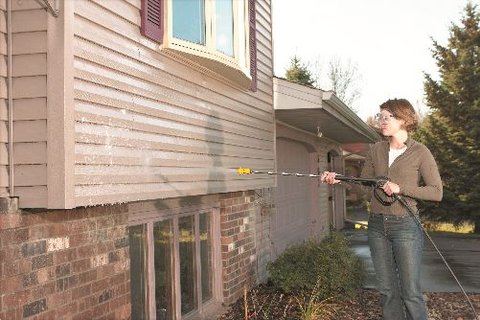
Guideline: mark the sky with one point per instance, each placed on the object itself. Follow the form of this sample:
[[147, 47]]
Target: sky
[[389, 41]]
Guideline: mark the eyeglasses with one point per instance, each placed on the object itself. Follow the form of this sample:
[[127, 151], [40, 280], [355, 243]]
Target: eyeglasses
[[383, 118]]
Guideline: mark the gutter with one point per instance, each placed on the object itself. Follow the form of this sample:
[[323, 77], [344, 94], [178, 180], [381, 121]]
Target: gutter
[[333, 101]]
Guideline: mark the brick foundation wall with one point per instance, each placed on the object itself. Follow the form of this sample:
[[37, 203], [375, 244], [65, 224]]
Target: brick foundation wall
[[264, 208], [65, 264], [237, 225]]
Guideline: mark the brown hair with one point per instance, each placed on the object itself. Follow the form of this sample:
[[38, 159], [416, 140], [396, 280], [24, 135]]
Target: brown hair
[[402, 109]]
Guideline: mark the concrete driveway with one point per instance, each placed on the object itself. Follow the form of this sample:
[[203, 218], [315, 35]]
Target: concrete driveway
[[461, 251]]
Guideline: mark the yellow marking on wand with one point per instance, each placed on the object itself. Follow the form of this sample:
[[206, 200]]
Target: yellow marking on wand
[[244, 170]]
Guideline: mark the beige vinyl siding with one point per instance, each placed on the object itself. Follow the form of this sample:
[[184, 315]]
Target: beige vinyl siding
[[3, 102], [147, 126], [29, 72]]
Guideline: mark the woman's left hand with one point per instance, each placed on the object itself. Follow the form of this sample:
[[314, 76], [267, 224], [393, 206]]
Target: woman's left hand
[[391, 188]]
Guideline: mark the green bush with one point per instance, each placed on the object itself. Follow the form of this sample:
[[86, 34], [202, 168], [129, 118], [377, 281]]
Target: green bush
[[331, 263]]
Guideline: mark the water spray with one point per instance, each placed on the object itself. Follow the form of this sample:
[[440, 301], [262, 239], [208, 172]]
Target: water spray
[[376, 184]]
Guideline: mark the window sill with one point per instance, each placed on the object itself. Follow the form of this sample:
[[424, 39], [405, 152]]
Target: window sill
[[213, 64]]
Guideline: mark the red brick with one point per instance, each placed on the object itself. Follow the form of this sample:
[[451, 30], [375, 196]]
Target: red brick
[[67, 311], [58, 299], [32, 218], [11, 314], [13, 236], [88, 276], [16, 267], [79, 239], [100, 285], [47, 315], [57, 230], [81, 292], [11, 284], [100, 310], [118, 302], [81, 265], [86, 251], [64, 256], [38, 232], [84, 315], [42, 290], [10, 221], [16, 299]]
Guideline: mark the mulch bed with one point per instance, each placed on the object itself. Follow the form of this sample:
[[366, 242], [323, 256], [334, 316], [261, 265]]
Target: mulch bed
[[264, 303]]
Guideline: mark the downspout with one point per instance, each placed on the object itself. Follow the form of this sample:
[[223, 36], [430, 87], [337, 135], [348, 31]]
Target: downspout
[[11, 181]]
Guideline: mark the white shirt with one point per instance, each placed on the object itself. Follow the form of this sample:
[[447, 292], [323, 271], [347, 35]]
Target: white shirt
[[394, 153]]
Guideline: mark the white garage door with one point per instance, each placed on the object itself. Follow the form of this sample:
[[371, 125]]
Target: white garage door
[[294, 197]]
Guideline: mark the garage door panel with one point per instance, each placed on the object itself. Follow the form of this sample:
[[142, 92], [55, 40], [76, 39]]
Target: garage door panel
[[290, 223]]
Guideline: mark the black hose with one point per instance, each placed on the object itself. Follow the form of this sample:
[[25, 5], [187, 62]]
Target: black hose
[[417, 220]]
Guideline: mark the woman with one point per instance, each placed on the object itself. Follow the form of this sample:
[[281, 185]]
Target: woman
[[394, 237]]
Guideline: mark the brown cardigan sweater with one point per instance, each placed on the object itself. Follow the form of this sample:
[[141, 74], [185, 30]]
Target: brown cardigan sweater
[[414, 164]]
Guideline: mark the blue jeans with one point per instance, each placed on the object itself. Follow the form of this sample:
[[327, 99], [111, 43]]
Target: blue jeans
[[396, 244]]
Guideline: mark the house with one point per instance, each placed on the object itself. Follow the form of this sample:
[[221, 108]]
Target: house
[[120, 134]]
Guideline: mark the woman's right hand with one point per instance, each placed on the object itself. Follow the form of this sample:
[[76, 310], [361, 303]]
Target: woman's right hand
[[329, 177]]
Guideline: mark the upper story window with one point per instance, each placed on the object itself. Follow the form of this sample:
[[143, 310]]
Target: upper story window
[[216, 34], [188, 21]]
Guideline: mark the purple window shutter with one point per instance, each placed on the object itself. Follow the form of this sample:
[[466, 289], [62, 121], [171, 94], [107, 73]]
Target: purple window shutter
[[152, 19], [253, 43]]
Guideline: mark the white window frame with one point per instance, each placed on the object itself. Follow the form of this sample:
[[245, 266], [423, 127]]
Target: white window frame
[[239, 64], [149, 219]]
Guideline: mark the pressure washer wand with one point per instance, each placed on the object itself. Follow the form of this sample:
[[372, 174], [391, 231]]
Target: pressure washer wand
[[372, 182]]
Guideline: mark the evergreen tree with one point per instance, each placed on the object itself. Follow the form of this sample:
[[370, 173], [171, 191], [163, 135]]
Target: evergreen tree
[[299, 73], [452, 130]]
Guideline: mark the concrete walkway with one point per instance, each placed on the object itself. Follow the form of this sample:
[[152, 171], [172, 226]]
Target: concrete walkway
[[461, 251]]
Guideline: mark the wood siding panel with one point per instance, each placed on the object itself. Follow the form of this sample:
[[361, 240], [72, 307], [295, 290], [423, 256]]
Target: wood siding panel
[[3, 178], [149, 127], [30, 153], [3, 154], [30, 109], [25, 5], [32, 197], [3, 44], [29, 87], [30, 175], [30, 131], [3, 110], [97, 194], [3, 22], [3, 88], [29, 20], [3, 132], [29, 42], [29, 65], [3, 66]]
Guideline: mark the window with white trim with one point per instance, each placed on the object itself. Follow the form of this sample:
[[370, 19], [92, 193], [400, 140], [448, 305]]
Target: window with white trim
[[171, 265], [217, 34]]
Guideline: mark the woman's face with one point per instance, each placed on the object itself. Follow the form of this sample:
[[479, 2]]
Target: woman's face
[[388, 124]]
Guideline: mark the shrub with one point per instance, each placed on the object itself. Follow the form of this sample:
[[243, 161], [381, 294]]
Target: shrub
[[330, 263]]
